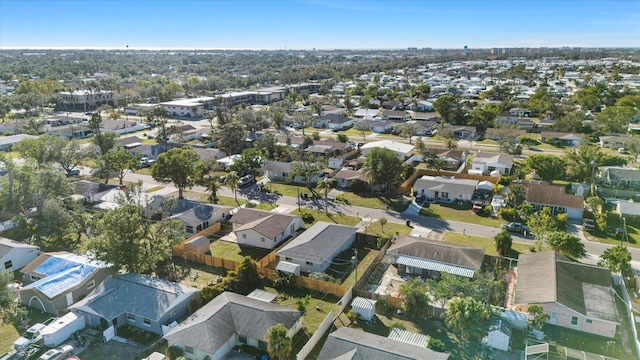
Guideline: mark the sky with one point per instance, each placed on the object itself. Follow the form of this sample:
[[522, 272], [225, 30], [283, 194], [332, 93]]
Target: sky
[[319, 24]]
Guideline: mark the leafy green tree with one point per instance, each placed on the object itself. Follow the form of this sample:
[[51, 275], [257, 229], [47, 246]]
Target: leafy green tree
[[105, 141], [503, 242], [542, 101], [601, 221], [252, 120], [120, 162], [231, 138], [445, 106], [58, 226], [303, 120], [507, 138], [231, 181], [383, 221], [408, 130], [483, 117], [450, 140], [537, 317], [306, 169], [541, 223], [547, 167], [245, 278], [363, 127], [594, 204], [498, 93], [516, 195], [433, 161], [326, 185], [528, 142], [176, 166], [614, 119], [251, 160], [383, 166], [463, 315], [7, 297], [278, 342], [416, 301], [617, 259], [436, 345], [578, 162], [127, 238], [205, 176], [570, 122], [158, 117], [421, 91], [566, 244]]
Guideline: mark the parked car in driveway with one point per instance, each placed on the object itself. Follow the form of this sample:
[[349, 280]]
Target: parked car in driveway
[[246, 180], [58, 353], [515, 227]]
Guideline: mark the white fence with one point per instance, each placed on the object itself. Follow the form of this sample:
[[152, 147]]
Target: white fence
[[324, 327]]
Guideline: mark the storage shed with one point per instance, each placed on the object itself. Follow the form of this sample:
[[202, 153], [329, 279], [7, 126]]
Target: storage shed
[[364, 307], [499, 336], [198, 244], [288, 267]]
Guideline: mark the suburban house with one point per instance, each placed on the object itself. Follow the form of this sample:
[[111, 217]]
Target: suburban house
[[197, 216], [54, 281], [345, 177], [366, 114], [282, 171], [464, 132], [554, 197], [511, 120], [379, 126], [151, 152], [424, 105], [392, 105], [628, 209], [141, 301], [520, 112], [348, 343], [209, 154], [613, 141], [445, 188], [16, 255], [404, 151], [429, 258], [188, 107], [111, 199], [620, 177], [230, 320], [264, 229], [561, 138], [395, 115], [486, 163], [79, 131], [423, 128], [452, 158], [314, 249], [334, 122], [121, 126], [575, 295], [8, 141]]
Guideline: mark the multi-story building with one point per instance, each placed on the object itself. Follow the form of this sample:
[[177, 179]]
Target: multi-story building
[[88, 99]]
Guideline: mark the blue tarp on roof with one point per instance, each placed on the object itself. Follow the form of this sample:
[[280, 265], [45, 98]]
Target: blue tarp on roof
[[63, 273]]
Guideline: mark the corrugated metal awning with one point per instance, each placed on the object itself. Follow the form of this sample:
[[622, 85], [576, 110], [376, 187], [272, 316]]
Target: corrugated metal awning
[[288, 267], [409, 337], [435, 266]]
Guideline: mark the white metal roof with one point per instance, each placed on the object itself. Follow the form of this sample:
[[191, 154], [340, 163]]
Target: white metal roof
[[435, 266], [287, 267], [409, 337], [363, 303], [262, 295]]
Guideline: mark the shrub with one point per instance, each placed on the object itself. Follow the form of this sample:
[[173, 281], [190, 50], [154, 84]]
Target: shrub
[[302, 303], [307, 218], [508, 213], [399, 325], [504, 180], [562, 221], [173, 352], [436, 345]]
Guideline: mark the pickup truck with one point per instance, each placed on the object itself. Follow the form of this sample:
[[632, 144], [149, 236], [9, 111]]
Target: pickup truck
[[33, 335], [515, 227]]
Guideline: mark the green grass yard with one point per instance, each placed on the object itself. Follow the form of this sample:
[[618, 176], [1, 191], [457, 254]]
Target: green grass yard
[[331, 217], [459, 213], [485, 243], [375, 201], [232, 251]]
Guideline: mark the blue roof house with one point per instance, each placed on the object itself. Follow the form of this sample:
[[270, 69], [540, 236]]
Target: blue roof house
[[54, 281]]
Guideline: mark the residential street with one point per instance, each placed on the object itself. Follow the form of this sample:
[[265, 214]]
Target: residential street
[[594, 249]]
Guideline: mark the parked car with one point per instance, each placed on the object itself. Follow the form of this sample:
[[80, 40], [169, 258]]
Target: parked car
[[515, 227], [477, 206], [420, 198], [246, 180], [58, 353], [73, 172], [588, 224], [32, 335]]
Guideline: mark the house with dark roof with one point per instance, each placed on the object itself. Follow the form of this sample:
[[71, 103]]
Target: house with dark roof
[[264, 229], [334, 122], [620, 177], [149, 151], [16, 255], [281, 171], [561, 138], [555, 198], [486, 163], [314, 249], [613, 141], [55, 281], [574, 295], [197, 216], [452, 158], [209, 153], [395, 115], [429, 258], [352, 344], [141, 301], [230, 320], [346, 177]]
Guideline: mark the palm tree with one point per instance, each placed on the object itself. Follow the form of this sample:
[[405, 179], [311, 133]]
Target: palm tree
[[231, 182], [326, 185], [278, 342], [383, 221]]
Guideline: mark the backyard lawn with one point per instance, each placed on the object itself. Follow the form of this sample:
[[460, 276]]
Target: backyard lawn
[[485, 243], [459, 213], [232, 251], [633, 233], [331, 217], [342, 268], [375, 201]]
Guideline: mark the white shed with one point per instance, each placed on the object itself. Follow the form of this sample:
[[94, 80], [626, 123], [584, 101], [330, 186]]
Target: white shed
[[198, 245], [499, 336], [288, 267], [364, 307]]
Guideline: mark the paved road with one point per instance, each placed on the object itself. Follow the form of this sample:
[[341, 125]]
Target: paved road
[[594, 249]]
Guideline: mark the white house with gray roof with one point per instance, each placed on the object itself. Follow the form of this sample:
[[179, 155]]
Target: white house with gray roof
[[315, 248], [16, 255], [486, 163], [230, 320], [446, 189], [141, 301], [264, 229]]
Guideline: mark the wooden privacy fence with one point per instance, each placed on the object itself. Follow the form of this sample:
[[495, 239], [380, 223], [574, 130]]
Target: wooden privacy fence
[[206, 233], [322, 286], [206, 259]]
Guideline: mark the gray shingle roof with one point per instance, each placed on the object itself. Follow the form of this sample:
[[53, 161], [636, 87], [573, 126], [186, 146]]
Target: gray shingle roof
[[6, 245], [452, 185], [440, 251], [216, 322], [134, 294], [318, 243], [270, 226], [548, 277], [347, 343]]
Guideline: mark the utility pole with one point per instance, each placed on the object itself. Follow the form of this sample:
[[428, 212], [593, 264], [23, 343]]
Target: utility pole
[[355, 262]]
